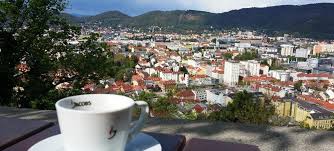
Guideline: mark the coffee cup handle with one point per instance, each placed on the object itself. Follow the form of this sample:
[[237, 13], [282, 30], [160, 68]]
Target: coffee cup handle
[[138, 125]]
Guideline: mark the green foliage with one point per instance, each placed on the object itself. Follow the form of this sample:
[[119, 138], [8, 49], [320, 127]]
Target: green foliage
[[265, 62], [228, 56], [276, 65], [214, 40], [244, 108], [37, 35], [34, 32], [48, 101], [184, 70], [247, 55], [147, 97], [154, 75], [162, 105], [297, 86], [193, 115]]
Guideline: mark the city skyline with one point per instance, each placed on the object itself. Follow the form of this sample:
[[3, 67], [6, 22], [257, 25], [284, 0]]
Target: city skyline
[[137, 7]]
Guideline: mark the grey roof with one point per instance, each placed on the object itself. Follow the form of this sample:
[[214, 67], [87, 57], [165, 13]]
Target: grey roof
[[311, 106], [322, 116]]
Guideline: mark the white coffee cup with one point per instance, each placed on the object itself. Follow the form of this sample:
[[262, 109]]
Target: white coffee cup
[[98, 122]]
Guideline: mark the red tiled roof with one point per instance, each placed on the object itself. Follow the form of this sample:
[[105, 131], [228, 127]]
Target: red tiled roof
[[126, 88], [119, 82], [168, 82], [198, 108], [153, 78], [320, 75], [270, 87], [198, 77], [257, 78], [177, 101], [137, 88], [136, 78], [318, 101], [218, 71], [185, 93]]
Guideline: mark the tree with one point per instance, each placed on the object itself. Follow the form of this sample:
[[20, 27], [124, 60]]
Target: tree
[[245, 108], [37, 34], [247, 55], [8, 60], [164, 107], [265, 62], [298, 85], [184, 70], [147, 97], [34, 33], [228, 56]]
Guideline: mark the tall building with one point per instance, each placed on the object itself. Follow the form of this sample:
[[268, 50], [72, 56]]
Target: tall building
[[322, 48], [231, 73], [249, 68], [287, 50]]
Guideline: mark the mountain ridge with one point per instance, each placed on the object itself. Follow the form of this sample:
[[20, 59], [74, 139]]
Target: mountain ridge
[[311, 20]]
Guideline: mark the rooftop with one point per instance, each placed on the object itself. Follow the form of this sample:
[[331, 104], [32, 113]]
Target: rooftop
[[267, 138]]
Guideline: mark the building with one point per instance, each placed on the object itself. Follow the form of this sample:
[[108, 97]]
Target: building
[[200, 80], [231, 73], [320, 120], [287, 50], [313, 76], [281, 75], [215, 96], [249, 68], [167, 85], [264, 69], [323, 48], [200, 94], [308, 113], [302, 53]]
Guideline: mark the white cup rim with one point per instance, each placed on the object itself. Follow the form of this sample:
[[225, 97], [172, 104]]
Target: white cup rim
[[125, 107]]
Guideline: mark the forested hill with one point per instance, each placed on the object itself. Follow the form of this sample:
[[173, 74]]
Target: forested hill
[[315, 20]]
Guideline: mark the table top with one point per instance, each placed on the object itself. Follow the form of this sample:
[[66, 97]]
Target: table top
[[20, 135], [13, 130], [168, 142]]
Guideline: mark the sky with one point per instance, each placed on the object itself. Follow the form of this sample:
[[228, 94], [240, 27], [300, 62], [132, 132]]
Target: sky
[[137, 7]]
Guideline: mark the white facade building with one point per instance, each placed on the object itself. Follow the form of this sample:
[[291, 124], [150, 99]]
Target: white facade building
[[264, 69], [215, 96], [243, 45], [280, 75], [231, 73], [200, 94], [249, 68], [287, 50], [302, 53]]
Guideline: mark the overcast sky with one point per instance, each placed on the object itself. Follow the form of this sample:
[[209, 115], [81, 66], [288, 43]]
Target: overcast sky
[[137, 7]]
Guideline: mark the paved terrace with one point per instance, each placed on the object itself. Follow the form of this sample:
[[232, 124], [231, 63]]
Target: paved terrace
[[267, 138]]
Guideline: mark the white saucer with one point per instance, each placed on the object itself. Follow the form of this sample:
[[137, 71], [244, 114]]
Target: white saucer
[[142, 142]]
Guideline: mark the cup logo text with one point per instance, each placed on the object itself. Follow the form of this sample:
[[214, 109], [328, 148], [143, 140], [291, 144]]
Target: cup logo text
[[77, 104]]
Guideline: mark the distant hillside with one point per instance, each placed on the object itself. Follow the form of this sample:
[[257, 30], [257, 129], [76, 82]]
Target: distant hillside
[[110, 18], [313, 20]]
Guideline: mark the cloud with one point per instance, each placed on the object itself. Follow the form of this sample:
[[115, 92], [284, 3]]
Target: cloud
[[136, 7]]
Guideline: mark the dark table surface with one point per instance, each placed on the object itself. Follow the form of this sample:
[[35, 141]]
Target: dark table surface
[[13, 130], [20, 135], [168, 142]]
